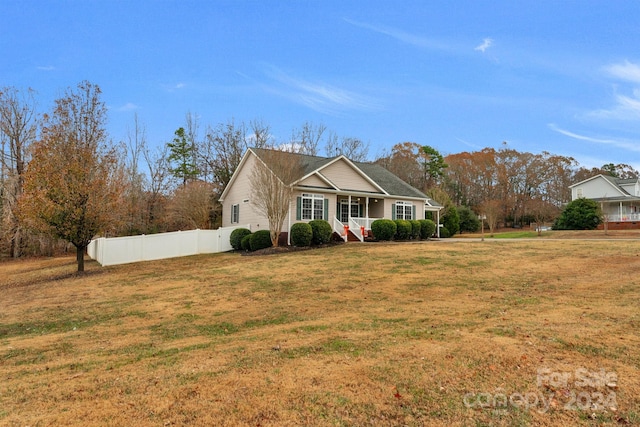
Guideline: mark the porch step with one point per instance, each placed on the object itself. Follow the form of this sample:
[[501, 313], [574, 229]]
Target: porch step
[[352, 237]]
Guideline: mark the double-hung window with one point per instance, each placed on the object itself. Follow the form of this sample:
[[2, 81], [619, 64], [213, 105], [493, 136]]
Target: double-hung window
[[312, 206], [404, 210]]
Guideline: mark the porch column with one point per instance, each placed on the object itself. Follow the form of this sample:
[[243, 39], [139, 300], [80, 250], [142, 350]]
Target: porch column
[[438, 223], [349, 211], [620, 212], [366, 209]]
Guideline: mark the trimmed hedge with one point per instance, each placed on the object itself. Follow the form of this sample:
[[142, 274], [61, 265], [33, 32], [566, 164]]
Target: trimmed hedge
[[245, 243], [301, 234], [383, 229], [321, 231], [403, 229], [427, 228], [415, 229], [261, 239], [445, 233], [236, 237]]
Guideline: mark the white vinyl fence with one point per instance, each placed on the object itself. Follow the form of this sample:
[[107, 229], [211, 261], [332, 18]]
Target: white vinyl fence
[[123, 250]]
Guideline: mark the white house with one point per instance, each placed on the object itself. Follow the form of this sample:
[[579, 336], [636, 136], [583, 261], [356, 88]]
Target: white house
[[350, 195], [619, 199]]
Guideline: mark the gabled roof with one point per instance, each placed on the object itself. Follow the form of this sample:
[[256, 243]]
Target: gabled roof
[[612, 180], [387, 183]]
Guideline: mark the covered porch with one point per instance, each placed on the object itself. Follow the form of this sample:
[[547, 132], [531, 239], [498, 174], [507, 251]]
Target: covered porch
[[621, 210], [355, 214], [621, 214]]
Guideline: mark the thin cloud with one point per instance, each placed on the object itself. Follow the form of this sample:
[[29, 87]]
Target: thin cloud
[[625, 108], [46, 68], [620, 143], [625, 71], [129, 106], [318, 96], [400, 35], [486, 44]]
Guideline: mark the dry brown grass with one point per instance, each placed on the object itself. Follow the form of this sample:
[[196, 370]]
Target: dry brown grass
[[358, 334]]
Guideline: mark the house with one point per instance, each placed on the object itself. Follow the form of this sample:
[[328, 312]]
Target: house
[[619, 199], [350, 195]]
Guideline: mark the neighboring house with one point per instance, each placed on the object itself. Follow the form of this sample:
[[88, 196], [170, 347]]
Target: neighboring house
[[619, 199], [350, 195]]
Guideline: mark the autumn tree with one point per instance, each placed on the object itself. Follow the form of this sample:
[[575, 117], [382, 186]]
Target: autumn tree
[[73, 184], [271, 187], [18, 127], [192, 206]]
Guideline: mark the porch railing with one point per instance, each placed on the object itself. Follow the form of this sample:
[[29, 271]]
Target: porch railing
[[338, 227], [364, 222], [623, 218], [356, 229]]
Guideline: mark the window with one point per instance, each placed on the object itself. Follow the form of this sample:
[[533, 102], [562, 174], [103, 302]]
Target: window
[[404, 210], [312, 206], [235, 214], [579, 193]]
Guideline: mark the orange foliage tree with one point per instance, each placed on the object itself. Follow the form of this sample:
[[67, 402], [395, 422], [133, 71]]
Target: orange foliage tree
[[73, 183]]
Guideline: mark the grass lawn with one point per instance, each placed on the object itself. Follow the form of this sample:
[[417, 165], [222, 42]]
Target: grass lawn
[[526, 332]]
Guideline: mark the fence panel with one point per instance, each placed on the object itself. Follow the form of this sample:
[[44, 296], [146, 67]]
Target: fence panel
[[124, 250]]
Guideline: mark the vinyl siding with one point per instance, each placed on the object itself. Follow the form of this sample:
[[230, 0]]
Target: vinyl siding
[[345, 177]]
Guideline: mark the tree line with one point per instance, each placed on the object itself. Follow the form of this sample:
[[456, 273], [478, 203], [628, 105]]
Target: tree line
[[63, 179]]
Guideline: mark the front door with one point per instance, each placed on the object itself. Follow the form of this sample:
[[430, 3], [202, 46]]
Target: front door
[[344, 210]]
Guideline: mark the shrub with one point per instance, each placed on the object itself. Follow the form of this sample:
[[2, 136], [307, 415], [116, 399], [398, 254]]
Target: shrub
[[236, 237], [245, 243], [468, 220], [403, 229], [321, 231], [580, 214], [383, 229], [427, 228], [415, 229], [301, 234], [451, 220], [261, 239], [444, 232]]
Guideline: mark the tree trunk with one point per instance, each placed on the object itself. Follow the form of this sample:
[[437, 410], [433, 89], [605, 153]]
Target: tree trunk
[[80, 257]]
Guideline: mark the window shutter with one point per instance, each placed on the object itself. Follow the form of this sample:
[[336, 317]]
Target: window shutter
[[325, 214], [393, 211], [299, 208], [413, 212], [361, 211]]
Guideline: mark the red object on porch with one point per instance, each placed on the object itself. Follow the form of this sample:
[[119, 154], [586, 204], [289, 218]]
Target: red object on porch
[[362, 231]]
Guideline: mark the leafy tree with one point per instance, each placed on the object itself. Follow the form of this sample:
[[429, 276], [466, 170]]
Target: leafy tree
[[182, 157], [580, 214], [433, 166], [469, 221], [73, 184]]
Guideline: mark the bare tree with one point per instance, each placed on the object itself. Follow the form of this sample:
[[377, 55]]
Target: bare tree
[[306, 139], [271, 187], [221, 151], [352, 148], [19, 122], [134, 192], [160, 184]]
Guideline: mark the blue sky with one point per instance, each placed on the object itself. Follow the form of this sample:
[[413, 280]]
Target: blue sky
[[561, 76]]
